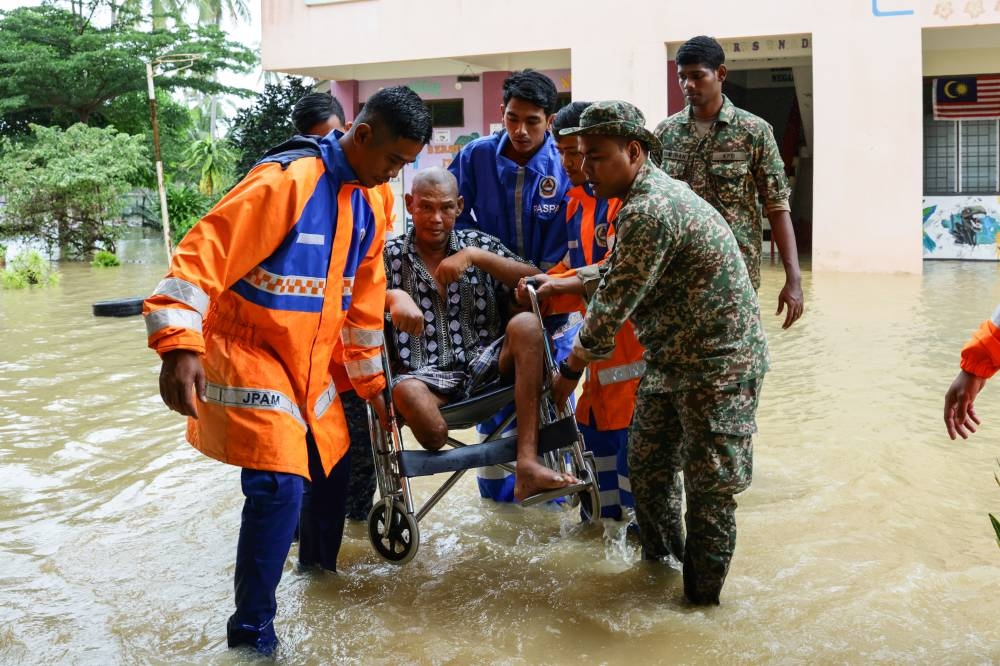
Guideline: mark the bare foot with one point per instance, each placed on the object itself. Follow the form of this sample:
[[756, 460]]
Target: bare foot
[[531, 478]]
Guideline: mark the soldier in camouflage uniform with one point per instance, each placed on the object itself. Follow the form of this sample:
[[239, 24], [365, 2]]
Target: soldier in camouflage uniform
[[677, 273], [730, 159]]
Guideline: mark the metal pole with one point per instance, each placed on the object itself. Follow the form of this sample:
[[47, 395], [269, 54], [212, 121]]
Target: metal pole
[[164, 216]]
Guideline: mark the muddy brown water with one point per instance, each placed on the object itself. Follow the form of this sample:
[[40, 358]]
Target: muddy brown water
[[864, 537]]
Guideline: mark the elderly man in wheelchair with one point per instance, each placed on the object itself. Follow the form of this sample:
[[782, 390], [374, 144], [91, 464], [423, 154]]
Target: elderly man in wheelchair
[[453, 343]]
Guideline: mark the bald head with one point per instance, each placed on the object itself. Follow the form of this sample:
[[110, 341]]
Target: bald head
[[435, 178], [434, 204]]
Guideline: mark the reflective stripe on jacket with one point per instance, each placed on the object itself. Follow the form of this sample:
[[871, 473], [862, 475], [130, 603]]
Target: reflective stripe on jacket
[[263, 287]]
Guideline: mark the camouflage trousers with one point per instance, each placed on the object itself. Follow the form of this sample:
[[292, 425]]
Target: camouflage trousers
[[361, 483], [706, 435]]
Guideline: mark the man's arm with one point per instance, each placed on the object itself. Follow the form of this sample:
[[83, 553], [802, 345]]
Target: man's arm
[[980, 361], [627, 277], [643, 251], [790, 296], [406, 315], [772, 187], [506, 270]]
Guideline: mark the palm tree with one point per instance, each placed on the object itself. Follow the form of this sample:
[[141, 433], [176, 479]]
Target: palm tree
[[214, 160], [210, 12]]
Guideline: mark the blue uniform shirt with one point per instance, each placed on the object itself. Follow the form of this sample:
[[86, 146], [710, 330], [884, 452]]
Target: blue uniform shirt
[[517, 204]]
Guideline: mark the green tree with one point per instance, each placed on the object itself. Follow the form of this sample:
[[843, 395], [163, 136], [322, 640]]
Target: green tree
[[130, 114], [267, 123], [213, 160], [65, 187], [58, 62], [209, 12]]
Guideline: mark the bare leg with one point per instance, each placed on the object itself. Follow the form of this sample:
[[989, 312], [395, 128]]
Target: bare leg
[[420, 408], [522, 355]]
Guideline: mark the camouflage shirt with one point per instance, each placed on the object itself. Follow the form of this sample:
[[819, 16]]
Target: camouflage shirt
[[676, 271], [736, 167]]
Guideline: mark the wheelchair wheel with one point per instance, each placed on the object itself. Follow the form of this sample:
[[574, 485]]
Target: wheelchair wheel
[[395, 536], [590, 499]]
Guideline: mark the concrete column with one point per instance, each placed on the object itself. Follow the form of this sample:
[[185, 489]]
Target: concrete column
[[868, 146], [632, 71], [346, 93]]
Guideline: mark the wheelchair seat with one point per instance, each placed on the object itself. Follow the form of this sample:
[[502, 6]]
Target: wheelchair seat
[[479, 407]]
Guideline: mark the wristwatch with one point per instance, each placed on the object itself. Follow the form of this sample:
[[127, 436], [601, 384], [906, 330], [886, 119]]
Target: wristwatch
[[568, 372]]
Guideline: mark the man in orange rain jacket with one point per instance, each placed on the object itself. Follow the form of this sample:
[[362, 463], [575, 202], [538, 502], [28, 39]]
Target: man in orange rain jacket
[[604, 412], [316, 115], [257, 295]]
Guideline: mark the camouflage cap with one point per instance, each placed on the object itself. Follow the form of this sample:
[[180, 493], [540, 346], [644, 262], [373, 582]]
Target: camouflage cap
[[615, 118]]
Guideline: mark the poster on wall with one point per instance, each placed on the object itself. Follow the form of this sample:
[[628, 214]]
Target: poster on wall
[[962, 227]]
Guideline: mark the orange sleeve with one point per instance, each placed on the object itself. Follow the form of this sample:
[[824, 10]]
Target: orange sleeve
[[364, 325], [242, 230], [981, 354]]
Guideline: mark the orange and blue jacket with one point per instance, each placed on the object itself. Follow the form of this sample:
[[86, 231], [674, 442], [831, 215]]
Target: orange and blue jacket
[[263, 287], [608, 398]]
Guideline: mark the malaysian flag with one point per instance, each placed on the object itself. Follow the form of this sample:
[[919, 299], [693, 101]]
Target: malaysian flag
[[967, 97]]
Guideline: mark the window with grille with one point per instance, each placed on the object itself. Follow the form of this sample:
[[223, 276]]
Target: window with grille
[[978, 155], [940, 155]]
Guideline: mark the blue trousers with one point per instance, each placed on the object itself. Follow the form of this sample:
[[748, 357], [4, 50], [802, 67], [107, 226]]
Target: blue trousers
[[610, 448], [275, 503]]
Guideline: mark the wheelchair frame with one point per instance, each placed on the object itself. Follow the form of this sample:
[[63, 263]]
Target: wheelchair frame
[[393, 522]]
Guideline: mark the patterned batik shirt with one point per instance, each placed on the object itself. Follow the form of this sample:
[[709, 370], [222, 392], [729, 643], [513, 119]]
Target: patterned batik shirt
[[473, 315], [677, 273], [736, 167]]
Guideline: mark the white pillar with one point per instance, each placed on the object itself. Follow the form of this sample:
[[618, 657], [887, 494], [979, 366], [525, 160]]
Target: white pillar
[[632, 71], [868, 146]]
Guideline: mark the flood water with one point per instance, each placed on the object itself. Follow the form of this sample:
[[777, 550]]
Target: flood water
[[864, 538]]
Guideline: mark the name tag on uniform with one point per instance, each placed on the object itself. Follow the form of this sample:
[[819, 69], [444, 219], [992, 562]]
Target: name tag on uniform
[[675, 155], [732, 156]]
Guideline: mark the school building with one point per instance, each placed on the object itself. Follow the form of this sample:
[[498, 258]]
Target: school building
[[884, 109]]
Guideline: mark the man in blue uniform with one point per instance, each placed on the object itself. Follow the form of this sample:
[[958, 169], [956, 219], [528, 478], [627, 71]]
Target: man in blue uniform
[[514, 185]]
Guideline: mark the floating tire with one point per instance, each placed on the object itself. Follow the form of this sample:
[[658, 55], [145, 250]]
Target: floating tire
[[119, 307]]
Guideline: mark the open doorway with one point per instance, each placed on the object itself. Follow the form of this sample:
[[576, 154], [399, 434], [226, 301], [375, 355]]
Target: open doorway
[[773, 94]]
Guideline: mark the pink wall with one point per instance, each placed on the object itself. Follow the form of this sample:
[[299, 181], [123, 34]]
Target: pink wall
[[346, 93], [675, 97], [482, 107]]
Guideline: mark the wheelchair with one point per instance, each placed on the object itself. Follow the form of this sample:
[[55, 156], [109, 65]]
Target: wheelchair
[[393, 522]]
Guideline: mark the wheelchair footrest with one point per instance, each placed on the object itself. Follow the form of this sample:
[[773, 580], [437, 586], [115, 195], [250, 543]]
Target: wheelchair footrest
[[556, 493], [553, 436]]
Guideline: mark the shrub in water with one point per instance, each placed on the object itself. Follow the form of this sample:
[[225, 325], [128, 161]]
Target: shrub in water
[[28, 269], [105, 259]]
